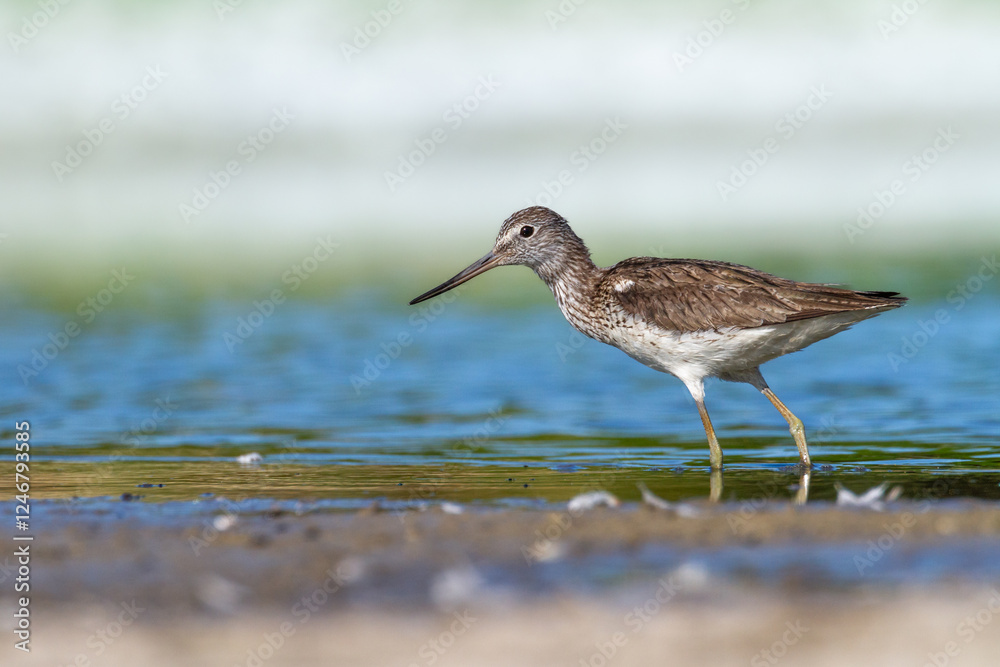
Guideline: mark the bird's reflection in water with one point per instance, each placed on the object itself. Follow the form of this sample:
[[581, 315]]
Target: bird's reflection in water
[[715, 485]]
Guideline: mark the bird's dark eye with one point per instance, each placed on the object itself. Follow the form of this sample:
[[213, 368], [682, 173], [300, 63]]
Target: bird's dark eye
[[527, 231]]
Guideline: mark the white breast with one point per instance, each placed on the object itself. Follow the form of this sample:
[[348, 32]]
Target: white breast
[[699, 354], [725, 351]]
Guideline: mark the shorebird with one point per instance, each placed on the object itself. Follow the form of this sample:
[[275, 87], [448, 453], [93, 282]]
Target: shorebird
[[691, 318]]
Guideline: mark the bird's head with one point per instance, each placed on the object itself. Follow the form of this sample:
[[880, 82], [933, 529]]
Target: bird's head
[[535, 237]]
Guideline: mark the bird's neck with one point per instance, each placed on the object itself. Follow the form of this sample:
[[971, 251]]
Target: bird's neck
[[572, 276]]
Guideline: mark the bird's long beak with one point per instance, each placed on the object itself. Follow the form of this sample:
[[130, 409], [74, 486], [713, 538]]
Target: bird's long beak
[[482, 265]]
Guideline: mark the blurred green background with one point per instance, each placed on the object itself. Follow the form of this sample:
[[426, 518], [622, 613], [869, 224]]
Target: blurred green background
[[694, 91]]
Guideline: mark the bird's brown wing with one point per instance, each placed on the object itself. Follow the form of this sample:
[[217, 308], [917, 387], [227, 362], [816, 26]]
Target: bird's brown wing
[[696, 295]]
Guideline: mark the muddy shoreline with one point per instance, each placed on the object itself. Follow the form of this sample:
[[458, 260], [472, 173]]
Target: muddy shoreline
[[374, 587]]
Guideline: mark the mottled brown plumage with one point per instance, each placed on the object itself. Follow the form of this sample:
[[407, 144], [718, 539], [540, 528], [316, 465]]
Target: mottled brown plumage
[[687, 295], [688, 317]]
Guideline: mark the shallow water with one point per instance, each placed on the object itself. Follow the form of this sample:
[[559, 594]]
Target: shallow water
[[360, 398]]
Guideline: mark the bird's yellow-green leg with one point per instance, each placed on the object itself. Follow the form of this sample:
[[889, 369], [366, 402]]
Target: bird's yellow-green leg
[[794, 426], [714, 450]]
